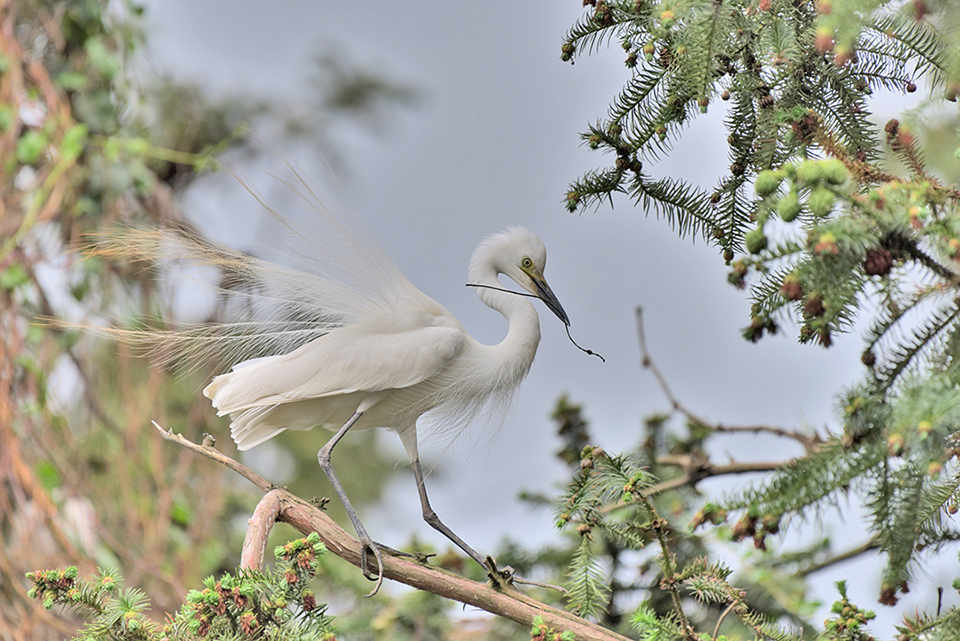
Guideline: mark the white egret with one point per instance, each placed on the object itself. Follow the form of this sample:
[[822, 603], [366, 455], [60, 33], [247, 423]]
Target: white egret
[[353, 344]]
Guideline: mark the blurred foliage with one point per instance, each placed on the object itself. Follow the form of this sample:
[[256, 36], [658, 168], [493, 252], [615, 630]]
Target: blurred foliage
[[83, 484], [84, 145]]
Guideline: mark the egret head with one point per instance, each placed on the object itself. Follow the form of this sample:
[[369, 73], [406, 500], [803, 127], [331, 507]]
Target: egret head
[[520, 255]]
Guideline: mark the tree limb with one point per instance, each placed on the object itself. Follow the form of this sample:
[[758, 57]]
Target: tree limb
[[258, 530], [280, 505], [694, 472], [872, 544], [809, 442]]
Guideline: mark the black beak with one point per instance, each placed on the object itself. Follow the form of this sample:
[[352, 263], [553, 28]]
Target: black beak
[[550, 300]]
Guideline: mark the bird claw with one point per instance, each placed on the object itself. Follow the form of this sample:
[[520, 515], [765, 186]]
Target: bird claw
[[507, 576], [499, 577], [365, 545], [422, 557]]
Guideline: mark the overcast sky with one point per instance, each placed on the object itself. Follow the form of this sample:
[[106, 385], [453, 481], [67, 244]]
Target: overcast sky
[[494, 142]]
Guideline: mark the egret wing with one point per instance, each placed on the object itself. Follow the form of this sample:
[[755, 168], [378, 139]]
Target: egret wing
[[389, 352]]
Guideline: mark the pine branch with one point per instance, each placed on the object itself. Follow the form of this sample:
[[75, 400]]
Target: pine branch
[[680, 204], [587, 590], [935, 499], [908, 350], [807, 481], [895, 503], [917, 40], [634, 110], [706, 49]]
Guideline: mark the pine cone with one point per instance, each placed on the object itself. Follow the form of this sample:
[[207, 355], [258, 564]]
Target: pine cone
[[792, 288], [814, 306], [878, 262]]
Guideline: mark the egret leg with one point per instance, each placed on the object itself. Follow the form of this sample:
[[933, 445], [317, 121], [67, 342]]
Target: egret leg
[[366, 543], [434, 521], [408, 437], [498, 576]]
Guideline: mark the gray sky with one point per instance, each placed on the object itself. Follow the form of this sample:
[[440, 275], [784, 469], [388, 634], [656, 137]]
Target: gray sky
[[494, 142]]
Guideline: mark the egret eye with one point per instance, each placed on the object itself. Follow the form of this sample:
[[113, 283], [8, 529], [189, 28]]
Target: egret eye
[[526, 263]]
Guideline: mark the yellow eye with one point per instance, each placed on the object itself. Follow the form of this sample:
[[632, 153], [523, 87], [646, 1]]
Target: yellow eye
[[526, 263]]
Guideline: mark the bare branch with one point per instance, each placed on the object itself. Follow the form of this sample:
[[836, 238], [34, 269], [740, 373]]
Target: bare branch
[[699, 467], [716, 628], [210, 452], [281, 505], [872, 544], [695, 471], [258, 530], [809, 441]]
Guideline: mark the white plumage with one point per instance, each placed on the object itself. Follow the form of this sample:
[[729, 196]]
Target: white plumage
[[414, 357], [307, 386], [352, 344]]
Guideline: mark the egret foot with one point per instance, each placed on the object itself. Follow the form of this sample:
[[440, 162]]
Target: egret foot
[[393, 551], [366, 543], [423, 557], [500, 578], [507, 577]]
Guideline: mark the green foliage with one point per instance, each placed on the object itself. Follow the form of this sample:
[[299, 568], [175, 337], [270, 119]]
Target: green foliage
[[830, 233], [924, 627], [893, 456], [66, 113], [828, 219], [651, 627], [849, 620], [278, 605], [609, 505], [809, 481], [586, 588], [609, 496], [792, 94], [539, 631]]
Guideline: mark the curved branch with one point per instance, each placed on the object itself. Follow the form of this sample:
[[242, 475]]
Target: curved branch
[[280, 505], [258, 530]]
